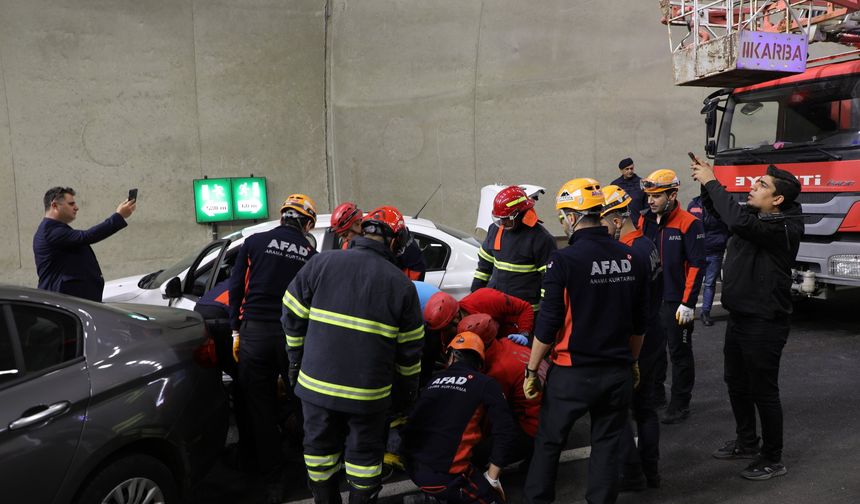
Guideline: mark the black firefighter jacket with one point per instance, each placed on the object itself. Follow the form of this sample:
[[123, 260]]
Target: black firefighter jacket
[[353, 323]]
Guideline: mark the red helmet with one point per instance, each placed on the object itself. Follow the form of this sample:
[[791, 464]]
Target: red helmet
[[440, 310], [510, 202], [345, 215], [387, 221], [481, 324]]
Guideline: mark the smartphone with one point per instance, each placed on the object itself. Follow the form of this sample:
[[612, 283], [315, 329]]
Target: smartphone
[[693, 157], [132, 194]]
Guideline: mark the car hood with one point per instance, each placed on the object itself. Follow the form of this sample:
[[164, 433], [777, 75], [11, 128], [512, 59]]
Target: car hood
[[122, 290]]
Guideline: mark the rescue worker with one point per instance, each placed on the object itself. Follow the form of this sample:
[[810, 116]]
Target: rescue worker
[[265, 265], [716, 236], [757, 294], [354, 335], [593, 317], [504, 361], [346, 222], [514, 316], [214, 307], [679, 238], [445, 426], [640, 463], [514, 254]]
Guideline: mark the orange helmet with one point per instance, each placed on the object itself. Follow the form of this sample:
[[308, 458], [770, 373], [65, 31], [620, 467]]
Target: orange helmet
[[616, 199], [440, 310], [387, 221], [467, 341], [660, 181], [580, 195], [481, 324], [510, 202], [345, 215], [300, 204]]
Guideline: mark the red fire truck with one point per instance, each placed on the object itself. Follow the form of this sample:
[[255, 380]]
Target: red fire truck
[[807, 123]]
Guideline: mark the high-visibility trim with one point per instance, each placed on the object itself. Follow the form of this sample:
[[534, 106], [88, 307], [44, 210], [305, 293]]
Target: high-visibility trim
[[322, 460], [516, 201], [409, 370], [542, 292], [482, 276], [295, 341], [335, 390], [414, 334], [361, 487], [516, 268], [363, 471], [536, 307], [350, 322], [485, 256], [324, 475], [542, 269], [295, 306]]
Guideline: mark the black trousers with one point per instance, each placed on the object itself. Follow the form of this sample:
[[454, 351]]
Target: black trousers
[[679, 340], [753, 349], [261, 356], [605, 393], [471, 487], [334, 439], [647, 454]]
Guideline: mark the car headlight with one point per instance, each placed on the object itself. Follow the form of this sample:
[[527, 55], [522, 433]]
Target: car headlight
[[845, 265]]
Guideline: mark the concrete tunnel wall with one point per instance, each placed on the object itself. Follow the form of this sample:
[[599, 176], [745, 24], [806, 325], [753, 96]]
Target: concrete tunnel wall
[[378, 102]]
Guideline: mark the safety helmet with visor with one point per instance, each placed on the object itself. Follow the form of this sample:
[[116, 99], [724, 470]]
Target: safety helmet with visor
[[660, 181], [509, 204]]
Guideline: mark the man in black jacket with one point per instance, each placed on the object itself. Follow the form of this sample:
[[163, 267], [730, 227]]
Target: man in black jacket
[[65, 261], [757, 294]]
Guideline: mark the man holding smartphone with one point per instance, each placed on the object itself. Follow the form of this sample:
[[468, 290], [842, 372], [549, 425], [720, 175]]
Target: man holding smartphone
[[757, 294], [65, 261]]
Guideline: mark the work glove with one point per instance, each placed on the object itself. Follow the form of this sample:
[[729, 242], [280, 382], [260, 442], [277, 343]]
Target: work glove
[[496, 484], [532, 387], [637, 377], [684, 315], [293, 374], [236, 346], [519, 338]]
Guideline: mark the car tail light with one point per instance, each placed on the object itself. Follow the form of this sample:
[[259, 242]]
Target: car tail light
[[205, 354]]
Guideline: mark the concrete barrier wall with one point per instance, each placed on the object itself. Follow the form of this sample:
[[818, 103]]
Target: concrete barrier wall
[[379, 102]]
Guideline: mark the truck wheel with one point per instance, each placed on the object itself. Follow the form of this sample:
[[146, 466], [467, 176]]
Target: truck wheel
[[134, 479]]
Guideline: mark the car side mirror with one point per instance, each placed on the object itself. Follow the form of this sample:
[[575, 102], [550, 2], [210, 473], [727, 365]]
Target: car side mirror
[[172, 288]]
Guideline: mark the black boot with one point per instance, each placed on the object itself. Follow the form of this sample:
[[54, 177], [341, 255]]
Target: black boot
[[363, 496], [706, 319], [325, 492]]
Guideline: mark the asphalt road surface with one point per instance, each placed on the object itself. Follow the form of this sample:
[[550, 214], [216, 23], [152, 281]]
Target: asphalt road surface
[[819, 381]]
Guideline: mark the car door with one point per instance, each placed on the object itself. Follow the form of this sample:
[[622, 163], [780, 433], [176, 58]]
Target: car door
[[204, 272], [436, 253], [44, 390]]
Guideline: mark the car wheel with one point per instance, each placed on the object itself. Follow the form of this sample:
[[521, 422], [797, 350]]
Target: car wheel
[[135, 479]]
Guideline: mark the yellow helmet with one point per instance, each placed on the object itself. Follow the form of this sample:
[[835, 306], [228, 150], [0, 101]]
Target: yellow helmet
[[616, 199], [579, 194], [302, 204], [660, 181]]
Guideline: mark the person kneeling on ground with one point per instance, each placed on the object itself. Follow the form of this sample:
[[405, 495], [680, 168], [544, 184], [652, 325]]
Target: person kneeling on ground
[[445, 425]]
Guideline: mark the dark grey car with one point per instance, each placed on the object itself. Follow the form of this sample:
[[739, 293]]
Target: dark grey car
[[104, 403]]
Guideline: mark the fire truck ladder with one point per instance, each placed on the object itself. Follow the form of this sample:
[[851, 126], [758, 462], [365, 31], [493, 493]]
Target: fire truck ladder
[[731, 43]]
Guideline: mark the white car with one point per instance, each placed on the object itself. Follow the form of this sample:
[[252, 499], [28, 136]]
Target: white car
[[451, 258]]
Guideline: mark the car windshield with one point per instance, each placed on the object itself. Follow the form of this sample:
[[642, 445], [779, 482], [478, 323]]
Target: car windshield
[[818, 115], [466, 237], [154, 280]]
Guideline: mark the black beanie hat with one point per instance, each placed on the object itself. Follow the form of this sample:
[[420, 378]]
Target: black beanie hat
[[790, 189]]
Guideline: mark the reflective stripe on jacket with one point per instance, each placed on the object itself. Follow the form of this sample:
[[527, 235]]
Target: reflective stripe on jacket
[[352, 322], [513, 261]]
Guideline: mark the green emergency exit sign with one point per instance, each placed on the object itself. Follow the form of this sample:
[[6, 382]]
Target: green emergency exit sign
[[228, 199], [249, 198]]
